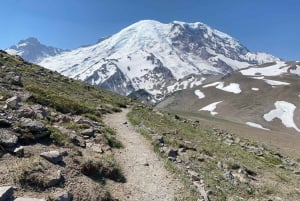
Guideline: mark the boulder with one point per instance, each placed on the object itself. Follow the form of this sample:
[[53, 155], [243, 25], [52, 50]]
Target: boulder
[[13, 102], [172, 152], [88, 132], [6, 192], [52, 156], [8, 138], [39, 111], [37, 128], [62, 196], [16, 80]]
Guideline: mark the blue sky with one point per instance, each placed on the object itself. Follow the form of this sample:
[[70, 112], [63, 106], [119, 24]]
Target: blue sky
[[261, 25]]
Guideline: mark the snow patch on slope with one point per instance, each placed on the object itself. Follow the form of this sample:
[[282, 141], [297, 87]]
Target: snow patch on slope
[[211, 107], [273, 70], [254, 89], [255, 125], [285, 112], [200, 94], [276, 83], [232, 87]]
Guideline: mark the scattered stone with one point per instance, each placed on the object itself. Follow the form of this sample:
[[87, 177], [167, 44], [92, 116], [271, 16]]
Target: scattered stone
[[78, 141], [37, 128], [52, 156], [88, 132], [6, 192], [172, 153], [194, 175], [13, 102], [54, 179], [8, 138], [19, 151], [229, 176], [28, 199], [62, 196], [201, 189]]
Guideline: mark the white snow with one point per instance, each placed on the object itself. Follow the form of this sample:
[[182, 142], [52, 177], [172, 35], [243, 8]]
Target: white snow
[[275, 82], [200, 94], [274, 70], [285, 112], [211, 107], [254, 89], [255, 125], [232, 87], [296, 71]]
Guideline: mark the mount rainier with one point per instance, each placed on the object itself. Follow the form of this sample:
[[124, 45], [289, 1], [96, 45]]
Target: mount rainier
[[156, 58]]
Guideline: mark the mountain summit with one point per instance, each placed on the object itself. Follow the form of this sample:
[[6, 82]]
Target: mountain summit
[[158, 58], [32, 50]]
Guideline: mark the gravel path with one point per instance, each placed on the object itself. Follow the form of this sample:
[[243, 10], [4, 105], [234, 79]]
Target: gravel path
[[147, 179]]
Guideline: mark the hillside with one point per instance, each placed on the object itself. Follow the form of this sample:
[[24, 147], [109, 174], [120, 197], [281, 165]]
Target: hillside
[[156, 57], [53, 143]]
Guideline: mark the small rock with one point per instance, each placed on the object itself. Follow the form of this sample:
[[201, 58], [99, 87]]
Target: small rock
[[8, 138], [229, 176], [19, 151], [62, 196], [16, 80], [13, 102], [28, 199], [159, 140], [53, 180], [52, 156], [78, 141], [172, 153], [37, 128], [194, 175], [88, 132], [6, 192], [97, 148]]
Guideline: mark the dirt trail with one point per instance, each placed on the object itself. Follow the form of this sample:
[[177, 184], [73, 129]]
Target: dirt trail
[[147, 179]]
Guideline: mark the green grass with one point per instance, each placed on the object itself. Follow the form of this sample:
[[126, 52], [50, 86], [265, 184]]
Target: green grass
[[207, 143]]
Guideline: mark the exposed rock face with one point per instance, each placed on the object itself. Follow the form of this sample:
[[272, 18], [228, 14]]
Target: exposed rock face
[[37, 128], [6, 192]]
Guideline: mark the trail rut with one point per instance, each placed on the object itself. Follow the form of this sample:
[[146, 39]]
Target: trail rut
[[147, 179]]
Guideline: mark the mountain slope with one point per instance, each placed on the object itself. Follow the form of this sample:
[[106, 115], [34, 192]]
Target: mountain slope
[[32, 50], [159, 58], [265, 97]]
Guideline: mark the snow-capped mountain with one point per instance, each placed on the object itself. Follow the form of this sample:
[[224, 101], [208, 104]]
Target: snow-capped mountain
[[32, 50], [159, 58]]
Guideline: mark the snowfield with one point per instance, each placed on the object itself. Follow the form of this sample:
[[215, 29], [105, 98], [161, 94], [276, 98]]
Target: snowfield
[[255, 125], [211, 107], [274, 70], [199, 93], [285, 112], [232, 87]]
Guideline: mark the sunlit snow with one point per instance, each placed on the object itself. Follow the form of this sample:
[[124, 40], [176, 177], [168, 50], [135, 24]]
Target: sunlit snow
[[211, 107], [285, 112], [275, 82], [255, 125], [274, 70], [232, 87], [254, 89], [199, 93]]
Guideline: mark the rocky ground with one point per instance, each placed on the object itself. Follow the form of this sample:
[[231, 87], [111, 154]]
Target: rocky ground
[[49, 152]]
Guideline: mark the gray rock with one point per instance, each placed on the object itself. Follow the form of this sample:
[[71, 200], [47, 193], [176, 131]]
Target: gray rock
[[16, 80], [8, 138], [194, 175], [78, 141], [229, 176], [28, 199], [19, 151], [52, 156], [37, 128], [13, 102], [6, 192], [172, 152], [88, 132], [62, 196], [53, 179], [159, 140]]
